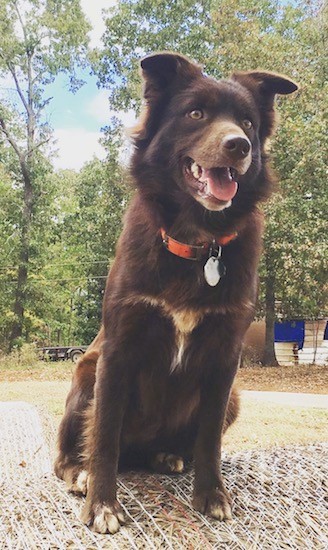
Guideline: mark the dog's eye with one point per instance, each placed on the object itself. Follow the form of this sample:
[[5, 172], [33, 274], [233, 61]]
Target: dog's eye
[[196, 114], [247, 124]]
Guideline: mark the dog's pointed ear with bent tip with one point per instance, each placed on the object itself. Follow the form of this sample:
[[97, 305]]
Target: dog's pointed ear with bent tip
[[266, 82], [265, 86], [161, 72]]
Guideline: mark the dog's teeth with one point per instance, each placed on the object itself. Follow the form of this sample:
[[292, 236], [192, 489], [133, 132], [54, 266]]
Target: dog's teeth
[[203, 189], [231, 173], [195, 170]]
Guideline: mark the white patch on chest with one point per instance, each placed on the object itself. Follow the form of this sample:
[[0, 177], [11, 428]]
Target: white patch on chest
[[184, 322]]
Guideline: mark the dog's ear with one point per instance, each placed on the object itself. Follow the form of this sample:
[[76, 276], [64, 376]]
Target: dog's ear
[[161, 70], [162, 73], [264, 86], [266, 83]]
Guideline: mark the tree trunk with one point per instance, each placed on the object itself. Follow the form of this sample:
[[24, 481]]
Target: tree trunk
[[269, 356], [21, 289], [25, 161]]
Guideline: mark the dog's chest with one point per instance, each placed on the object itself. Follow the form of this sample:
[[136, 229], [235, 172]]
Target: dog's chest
[[184, 322]]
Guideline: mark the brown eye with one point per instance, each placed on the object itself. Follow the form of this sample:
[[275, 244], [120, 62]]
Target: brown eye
[[247, 124], [196, 114]]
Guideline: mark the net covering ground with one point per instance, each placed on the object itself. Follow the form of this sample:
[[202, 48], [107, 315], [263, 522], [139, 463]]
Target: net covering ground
[[280, 498]]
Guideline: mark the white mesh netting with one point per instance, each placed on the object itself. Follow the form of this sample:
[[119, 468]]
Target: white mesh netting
[[280, 499]]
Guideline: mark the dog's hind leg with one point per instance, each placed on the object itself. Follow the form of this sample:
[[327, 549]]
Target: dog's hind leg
[[176, 461], [232, 408], [69, 464]]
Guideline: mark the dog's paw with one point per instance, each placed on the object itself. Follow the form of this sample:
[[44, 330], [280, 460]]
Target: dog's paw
[[74, 475], [215, 502], [103, 518], [79, 483], [165, 463]]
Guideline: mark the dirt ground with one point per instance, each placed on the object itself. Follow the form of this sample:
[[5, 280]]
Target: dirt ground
[[301, 379], [304, 378]]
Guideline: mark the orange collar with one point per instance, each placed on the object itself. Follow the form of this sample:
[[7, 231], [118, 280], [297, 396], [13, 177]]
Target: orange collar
[[193, 251]]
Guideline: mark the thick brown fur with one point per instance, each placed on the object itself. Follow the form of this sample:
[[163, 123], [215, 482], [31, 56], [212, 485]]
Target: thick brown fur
[[155, 388]]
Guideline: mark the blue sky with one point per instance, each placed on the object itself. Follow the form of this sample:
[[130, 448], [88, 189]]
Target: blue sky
[[68, 110], [77, 118]]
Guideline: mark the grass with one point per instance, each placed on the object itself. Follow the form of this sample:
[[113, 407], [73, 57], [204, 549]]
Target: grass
[[260, 424], [304, 378], [267, 425], [49, 395]]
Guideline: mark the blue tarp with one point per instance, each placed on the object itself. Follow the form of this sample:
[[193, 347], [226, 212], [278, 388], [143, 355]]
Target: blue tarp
[[290, 331]]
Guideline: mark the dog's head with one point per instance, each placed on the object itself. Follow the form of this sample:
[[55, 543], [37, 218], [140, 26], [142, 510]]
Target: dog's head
[[203, 136]]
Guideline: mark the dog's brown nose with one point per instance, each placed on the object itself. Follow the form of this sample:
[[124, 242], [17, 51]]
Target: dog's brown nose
[[238, 146]]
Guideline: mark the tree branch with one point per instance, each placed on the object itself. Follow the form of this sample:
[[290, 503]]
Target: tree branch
[[18, 88], [12, 71], [20, 20], [38, 145], [27, 103], [18, 151], [11, 140]]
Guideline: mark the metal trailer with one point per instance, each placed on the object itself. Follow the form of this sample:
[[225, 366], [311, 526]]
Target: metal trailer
[[62, 353]]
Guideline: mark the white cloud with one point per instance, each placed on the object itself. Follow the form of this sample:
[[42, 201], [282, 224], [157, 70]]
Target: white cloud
[[93, 11], [99, 109], [6, 81], [76, 146], [128, 119]]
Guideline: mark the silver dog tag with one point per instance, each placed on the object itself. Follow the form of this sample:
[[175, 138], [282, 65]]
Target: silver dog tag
[[214, 268], [211, 271]]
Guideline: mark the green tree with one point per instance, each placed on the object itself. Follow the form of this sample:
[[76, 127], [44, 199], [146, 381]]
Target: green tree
[[38, 40], [102, 197], [225, 35], [87, 222], [8, 248], [296, 251]]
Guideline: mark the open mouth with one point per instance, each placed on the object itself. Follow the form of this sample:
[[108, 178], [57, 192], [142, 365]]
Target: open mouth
[[211, 183]]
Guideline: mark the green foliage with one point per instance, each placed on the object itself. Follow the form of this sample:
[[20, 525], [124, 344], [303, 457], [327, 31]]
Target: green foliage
[[52, 33], [222, 35], [76, 218], [68, 286], [86, 233], [295, 242], [71, 247], [38, 40]]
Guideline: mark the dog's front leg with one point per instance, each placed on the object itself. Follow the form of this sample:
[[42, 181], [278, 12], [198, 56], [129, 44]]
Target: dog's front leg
[[102, 511], [210, 496]]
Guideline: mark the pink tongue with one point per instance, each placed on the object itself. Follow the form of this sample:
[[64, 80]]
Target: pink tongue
[[219, 183]]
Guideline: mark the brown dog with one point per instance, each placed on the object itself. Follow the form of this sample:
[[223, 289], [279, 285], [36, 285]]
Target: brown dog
[[155, 387]]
